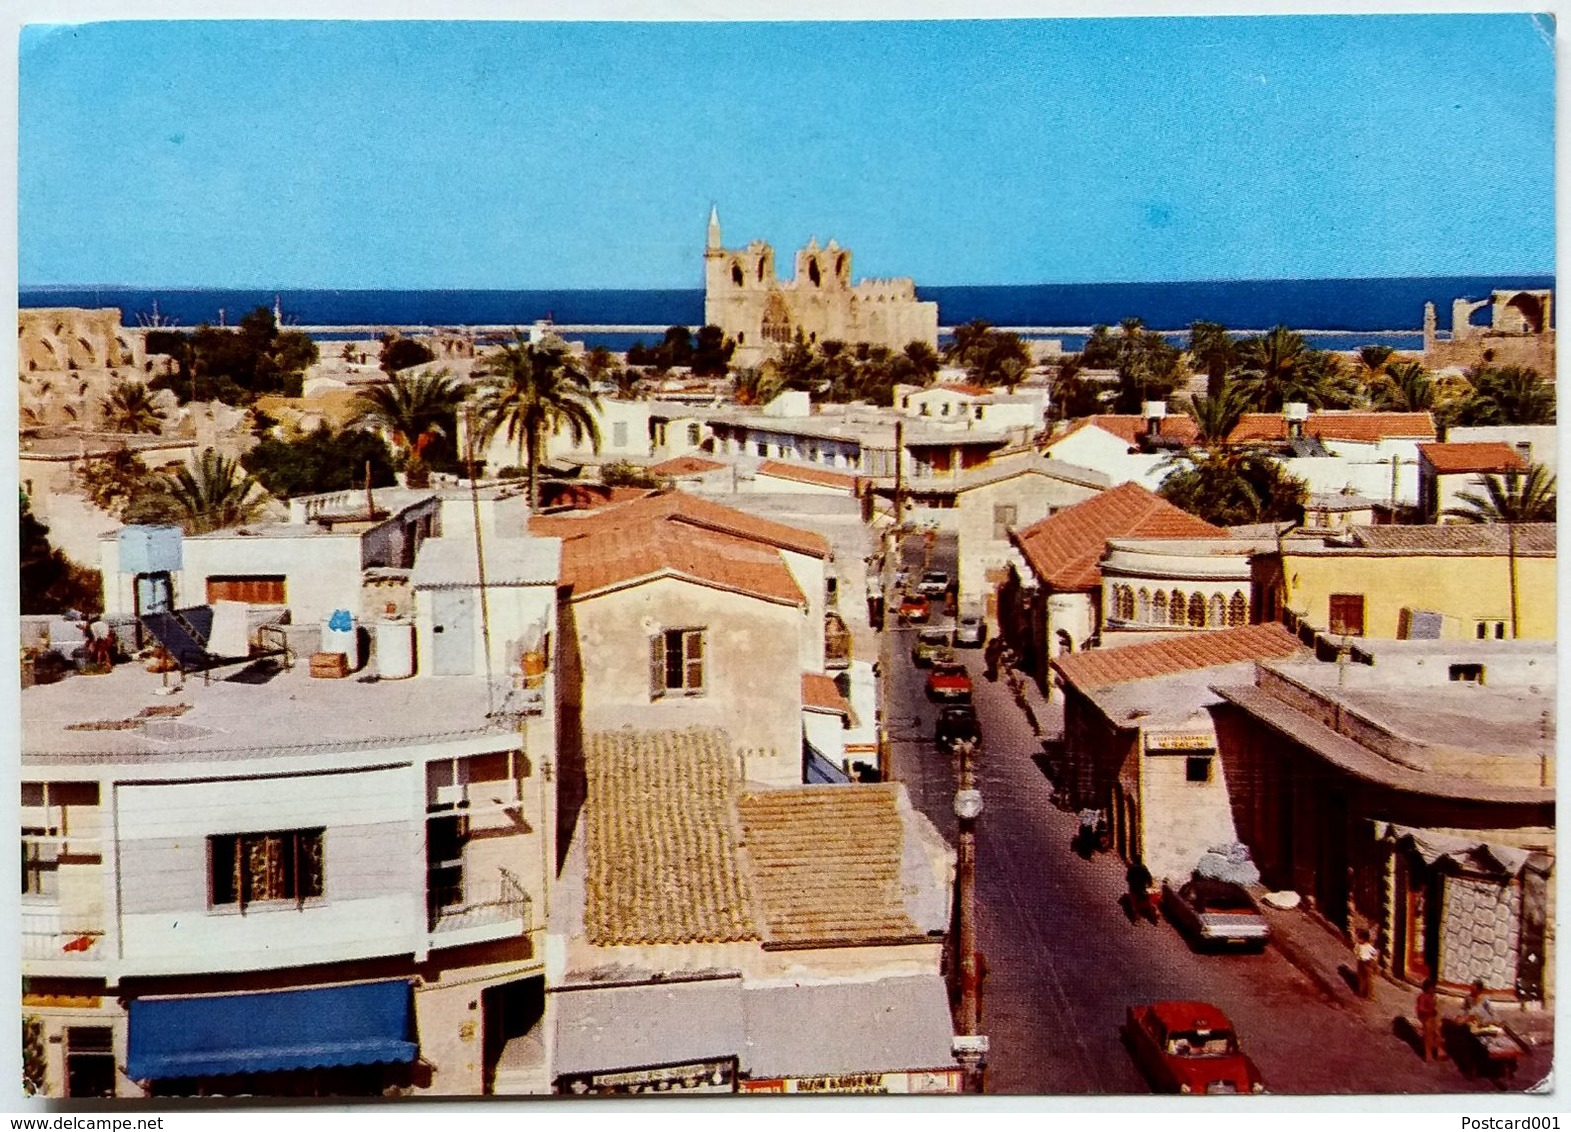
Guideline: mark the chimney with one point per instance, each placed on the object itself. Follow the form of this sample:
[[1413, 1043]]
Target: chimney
[[1295, 413], [1154, 413]]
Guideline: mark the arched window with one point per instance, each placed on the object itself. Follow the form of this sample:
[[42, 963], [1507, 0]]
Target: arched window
[[1176, 607], [1197, 611], [760, 269], [812, 272], [1126, 603], [736, 274], [1143, 605], [1218, 616], [840, 264], [1159, 608], [1237, 610], [1066, 644], [777, 320]]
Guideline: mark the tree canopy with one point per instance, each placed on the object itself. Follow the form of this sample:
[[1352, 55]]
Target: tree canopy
[[399, 353], [234, 365], [990, 356], [1231, 488], [528, 393], [49, 582], [1515, 497], [415, 409], [1508, 395], [318, 461]]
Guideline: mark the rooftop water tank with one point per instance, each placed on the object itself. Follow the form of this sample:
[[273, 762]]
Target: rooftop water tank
[[395, 648], [149, 550], [341, 633]]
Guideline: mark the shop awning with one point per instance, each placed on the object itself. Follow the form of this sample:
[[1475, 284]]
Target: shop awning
[[1433, 845], [214, 1036]]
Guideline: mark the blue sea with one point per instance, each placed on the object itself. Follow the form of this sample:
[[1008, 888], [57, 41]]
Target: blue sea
[[1352, 312]]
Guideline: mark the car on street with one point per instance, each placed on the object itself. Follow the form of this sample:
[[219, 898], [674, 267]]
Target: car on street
[[915, 608], [1215, 913], [902, 576], [956, 722], [970, 632], [1189, 1047], [934, 583], [929, 643], [948, 680]]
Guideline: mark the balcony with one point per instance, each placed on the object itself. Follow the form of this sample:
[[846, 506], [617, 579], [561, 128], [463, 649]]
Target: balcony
[[472, 910], [47, 937]]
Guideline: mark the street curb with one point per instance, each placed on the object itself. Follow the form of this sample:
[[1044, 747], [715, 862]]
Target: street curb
[[1333, 989]]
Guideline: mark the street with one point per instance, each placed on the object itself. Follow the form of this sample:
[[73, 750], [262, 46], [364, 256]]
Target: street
[[1063, 959]]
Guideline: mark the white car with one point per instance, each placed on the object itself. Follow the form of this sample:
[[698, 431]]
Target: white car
[[970, 632], [934, 583]]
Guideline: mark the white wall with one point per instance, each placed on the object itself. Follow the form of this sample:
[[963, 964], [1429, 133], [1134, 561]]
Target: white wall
[[1101, 451], [1034, 497], [1543, 440]]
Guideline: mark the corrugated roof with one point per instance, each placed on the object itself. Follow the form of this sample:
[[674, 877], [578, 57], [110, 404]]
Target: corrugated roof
[[1483, 456], [1101, 667], [599, 1029], [822, 477], [661, 843], [685, 466], [826, 863], [820, 693], [1064, 549], [1535, 539], [884, 1026]]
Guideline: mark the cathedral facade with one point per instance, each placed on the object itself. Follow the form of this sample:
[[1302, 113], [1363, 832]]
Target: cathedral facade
[[762, 314]]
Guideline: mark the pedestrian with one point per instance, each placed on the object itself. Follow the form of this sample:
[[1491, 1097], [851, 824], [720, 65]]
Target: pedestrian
[[990, 653], [1428, 1010], [1479, 1012], [1366, 954]]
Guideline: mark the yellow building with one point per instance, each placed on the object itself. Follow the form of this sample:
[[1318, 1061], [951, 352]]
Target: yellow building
[[1461, 582]]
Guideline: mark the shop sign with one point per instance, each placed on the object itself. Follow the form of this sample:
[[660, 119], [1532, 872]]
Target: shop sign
[[936, 1081], [1181, 741], [690, 1077]]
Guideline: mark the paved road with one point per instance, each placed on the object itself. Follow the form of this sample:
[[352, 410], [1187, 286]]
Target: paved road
[[1064, 960]]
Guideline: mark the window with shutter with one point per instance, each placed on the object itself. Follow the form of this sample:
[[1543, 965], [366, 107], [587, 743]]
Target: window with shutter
[[676, 663], [657, 666], [1347, 615], [256, 589]]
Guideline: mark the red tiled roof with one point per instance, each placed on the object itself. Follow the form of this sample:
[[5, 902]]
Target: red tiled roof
[[1064, 549], [1474, 456], [967, 388], [823, 477], [588, 496], [1100, 667], [819, 693], [1336, 424], [685, 466], [679, 507]]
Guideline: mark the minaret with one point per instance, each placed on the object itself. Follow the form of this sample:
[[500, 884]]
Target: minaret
[[713, 243]]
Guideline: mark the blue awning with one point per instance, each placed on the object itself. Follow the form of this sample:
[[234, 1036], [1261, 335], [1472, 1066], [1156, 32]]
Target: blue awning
[[363, 1024]]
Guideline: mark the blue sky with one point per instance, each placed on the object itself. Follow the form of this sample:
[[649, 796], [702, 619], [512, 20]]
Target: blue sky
[[561, 155]]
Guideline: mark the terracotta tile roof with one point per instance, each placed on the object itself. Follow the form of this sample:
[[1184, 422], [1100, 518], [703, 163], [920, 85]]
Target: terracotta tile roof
[[685, 466], [661, 842], [680, 507], [1130, 427], [820, 693], [823, 477], [610, 557], [1534, 539], [1337, 424], [826, 863], [1098, 668], [1064, 549], [1484, 456], [587, 496], [967, 388]]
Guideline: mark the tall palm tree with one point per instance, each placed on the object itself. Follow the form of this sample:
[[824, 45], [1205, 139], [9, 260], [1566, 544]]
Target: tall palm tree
[[1405, 387], [1218, 415], [213, 494], [1509, 395], [1373, 363], [1515, 497], [757, 385], [1272, 368], [129, 408], [923, 360], [531, 391], [414, 409], [1212, 352]]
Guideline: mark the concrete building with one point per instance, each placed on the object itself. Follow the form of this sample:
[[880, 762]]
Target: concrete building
[[1537, 444], [961, 403], [678, 612], [1447, 470], [1161, 587], [763, 314], [1139, 743], [1050, 604], [1520, 333], [281, 885], [1333, 510], [1410, 788], [1461, 582], [703, 931]]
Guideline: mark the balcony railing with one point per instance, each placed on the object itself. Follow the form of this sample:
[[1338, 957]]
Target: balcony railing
[[476, 902], [84, 945]]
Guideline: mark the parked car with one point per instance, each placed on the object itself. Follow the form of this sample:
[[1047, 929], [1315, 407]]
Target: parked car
[[948, 680], [1215, 913], [914, 607], [970, 632], [956, 723], [929, 643], [902, 577], [934, 583], [1189, 1047]]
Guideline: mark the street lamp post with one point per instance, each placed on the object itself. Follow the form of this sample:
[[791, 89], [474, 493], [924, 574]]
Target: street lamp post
[[970, 1044]]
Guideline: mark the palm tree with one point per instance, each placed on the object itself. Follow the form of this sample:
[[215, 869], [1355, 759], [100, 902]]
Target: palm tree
[[757, 385], [1211, 351], [1272, 368], [1508, 395], [1515, 497], [414, 408], [214, 494], [129, 408], [923, 359], [1218, 415], [1405, 387], [1373, 364], [531, 391]]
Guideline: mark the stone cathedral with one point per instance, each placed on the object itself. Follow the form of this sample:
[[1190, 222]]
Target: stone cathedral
[[762, 314]]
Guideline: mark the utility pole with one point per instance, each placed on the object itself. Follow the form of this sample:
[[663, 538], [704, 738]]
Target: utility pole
[[970, 1046], [900, 448], [1511, 556]]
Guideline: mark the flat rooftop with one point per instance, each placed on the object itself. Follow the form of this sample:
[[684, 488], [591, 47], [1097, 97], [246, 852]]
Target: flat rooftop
[[124, 717], [1494, 721]]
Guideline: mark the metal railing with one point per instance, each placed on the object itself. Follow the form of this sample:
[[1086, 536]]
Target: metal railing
[[471, 903], [82, 944]]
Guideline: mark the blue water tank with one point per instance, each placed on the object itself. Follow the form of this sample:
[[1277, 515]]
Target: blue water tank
[[149, 550]]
